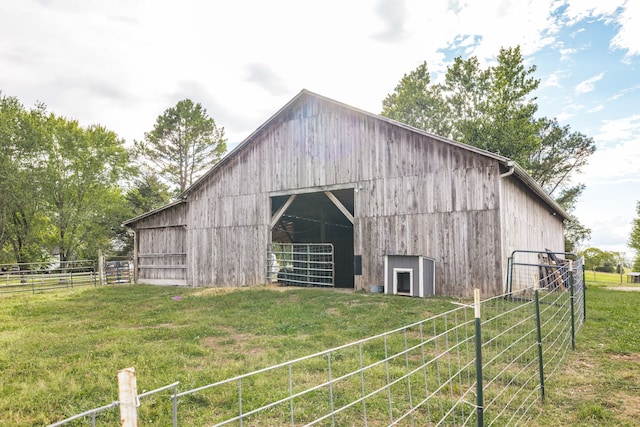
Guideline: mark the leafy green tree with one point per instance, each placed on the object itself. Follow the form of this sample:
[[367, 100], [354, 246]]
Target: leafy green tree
[[417, 103], [494, 109], [148, 192], [84, 168], [183, 144], [24, 227], [634, 239], [59, 185], [598, 260]]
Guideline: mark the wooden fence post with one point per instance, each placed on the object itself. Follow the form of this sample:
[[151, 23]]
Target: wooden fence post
[[100, 268], [128, 397]]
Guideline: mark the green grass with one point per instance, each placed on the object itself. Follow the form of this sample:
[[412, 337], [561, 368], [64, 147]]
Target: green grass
[[60, 351], [598, 278], [601, 383]]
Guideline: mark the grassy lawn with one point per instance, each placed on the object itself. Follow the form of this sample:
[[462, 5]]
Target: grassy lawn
[[60, 351], [601, 383]]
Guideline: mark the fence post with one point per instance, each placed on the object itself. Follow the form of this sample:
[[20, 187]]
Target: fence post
[[174, 406], [539, 333], [509, 274], [100, 268], [128, 397], [571, 300], [479, 386], [584, 294]]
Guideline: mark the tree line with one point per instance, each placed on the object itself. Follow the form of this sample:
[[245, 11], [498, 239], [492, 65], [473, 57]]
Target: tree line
[[69, 188], [66, 189]]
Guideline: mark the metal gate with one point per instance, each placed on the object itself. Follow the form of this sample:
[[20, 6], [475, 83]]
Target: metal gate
[[544, 270], [301, 264], [118, 270]]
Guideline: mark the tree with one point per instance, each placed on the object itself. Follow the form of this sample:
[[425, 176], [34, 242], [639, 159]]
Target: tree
[[598, 260], [148, 193], [494, 109], [634, 239], [24, 226], [84, 167], [59, 185], [183, 144], [418, 104]]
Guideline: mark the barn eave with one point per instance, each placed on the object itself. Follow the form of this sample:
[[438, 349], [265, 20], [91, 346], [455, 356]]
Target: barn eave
[[131, 222]]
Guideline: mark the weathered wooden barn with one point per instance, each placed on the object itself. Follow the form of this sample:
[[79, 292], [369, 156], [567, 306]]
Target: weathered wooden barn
[[401, 208]]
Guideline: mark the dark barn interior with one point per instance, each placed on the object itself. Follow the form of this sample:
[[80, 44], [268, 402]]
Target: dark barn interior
[[315, 218]]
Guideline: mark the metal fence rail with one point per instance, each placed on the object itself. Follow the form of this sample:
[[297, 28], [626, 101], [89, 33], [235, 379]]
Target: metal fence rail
[[42, 276], [456, 368], [102, 410], [301, 264]]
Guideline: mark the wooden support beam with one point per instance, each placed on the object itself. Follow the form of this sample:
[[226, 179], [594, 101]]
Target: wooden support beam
[[276, 217], [339, 205]]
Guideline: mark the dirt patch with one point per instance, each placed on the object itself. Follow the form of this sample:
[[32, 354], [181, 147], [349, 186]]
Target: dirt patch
[[235, 343], [218, 291], [332, 311], [635, 357], [158, 326]]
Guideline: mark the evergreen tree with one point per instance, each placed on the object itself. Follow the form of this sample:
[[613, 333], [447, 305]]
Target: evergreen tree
[[183, 144]]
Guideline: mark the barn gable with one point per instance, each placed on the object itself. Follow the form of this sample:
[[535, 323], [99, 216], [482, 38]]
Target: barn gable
[[320, 171]]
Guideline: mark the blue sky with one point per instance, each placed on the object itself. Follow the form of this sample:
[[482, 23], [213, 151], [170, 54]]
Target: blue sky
[[121, 63]]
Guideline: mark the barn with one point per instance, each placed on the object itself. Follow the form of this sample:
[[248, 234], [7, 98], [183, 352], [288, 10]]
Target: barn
[[324, 194]]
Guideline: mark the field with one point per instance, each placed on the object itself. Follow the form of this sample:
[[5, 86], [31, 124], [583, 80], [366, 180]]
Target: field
[[60, 351], [601, 384]]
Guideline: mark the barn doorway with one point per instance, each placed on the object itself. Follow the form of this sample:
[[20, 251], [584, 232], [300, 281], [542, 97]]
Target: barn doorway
[[324, 217]]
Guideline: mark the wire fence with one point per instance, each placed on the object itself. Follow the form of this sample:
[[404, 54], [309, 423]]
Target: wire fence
[[43, 276], [475, 365], [46, 276]]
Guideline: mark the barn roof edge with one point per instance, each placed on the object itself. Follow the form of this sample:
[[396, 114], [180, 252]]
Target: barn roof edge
[[519, 171], [130, 222]]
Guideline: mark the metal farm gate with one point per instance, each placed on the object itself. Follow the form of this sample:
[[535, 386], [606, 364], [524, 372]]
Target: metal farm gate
[[301, 264], [118, 271], [546, 270]]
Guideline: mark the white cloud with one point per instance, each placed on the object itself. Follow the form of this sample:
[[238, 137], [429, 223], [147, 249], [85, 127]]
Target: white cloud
[[617, 158], [565, 54], [578, 10], [628, 37], [625, 13], [624, 129], [588, 85], [624, 92], [596, 109], [552, 80]]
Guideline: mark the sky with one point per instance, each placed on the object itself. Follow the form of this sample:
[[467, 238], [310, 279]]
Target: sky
[[121, 63]]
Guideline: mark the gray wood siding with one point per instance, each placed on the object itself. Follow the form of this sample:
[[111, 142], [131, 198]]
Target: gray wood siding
[[528, 223], [161, 247], [415, 195]]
